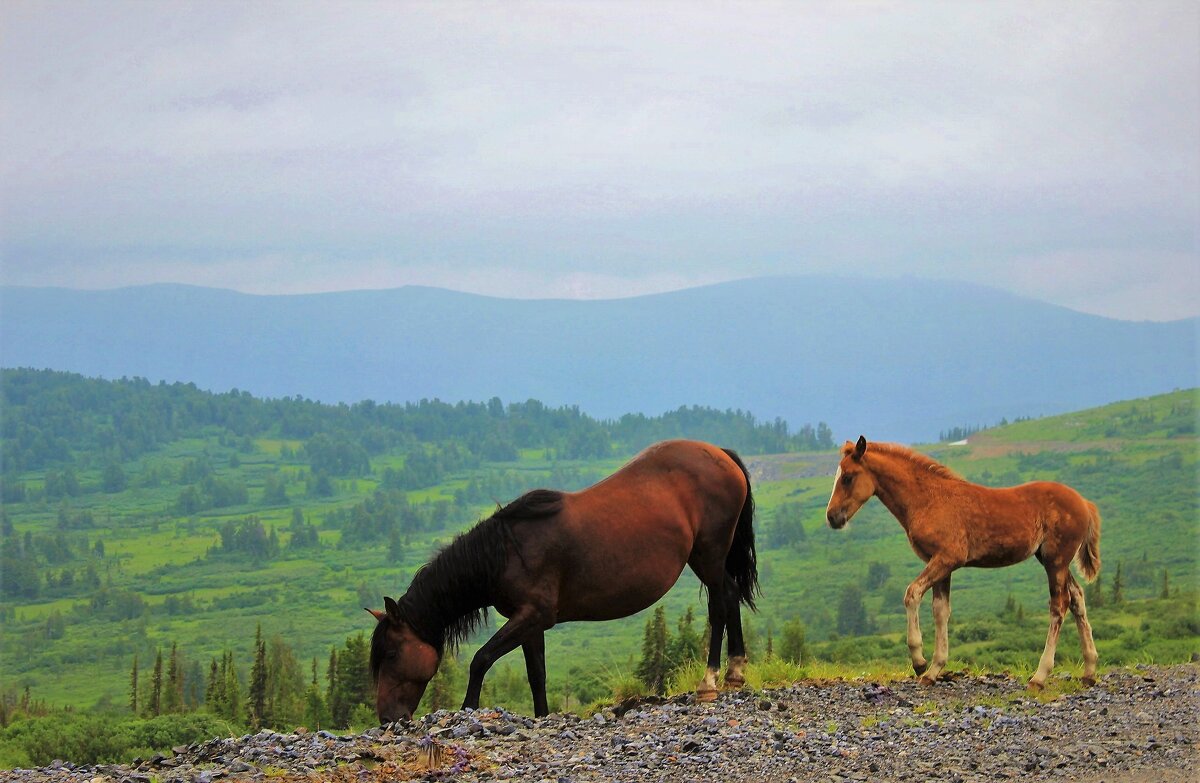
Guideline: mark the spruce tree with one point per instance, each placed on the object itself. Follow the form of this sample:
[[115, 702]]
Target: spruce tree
[[214, 694], [652, 668], [173, 700], [794, 647], [1118, 586], [154, 708], [314, 703], [133, 686], [1166, 585], [256, 702]]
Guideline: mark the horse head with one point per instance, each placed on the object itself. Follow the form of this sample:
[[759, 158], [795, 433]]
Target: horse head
[[402, 664], [852, 486]]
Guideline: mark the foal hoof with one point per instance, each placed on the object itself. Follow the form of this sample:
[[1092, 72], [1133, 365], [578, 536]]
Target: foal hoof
[[1088, 682], [1036, 687], [920, 668], [926, 681], [705, 695], [734, 683]]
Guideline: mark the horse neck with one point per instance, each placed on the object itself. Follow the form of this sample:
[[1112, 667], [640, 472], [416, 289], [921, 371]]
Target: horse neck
[[897, 486], [448, 597]]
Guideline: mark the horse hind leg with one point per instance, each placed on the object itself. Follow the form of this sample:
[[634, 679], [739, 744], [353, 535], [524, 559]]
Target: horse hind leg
[[707, 689], [735, 673], [941, 621], [1079, 610], [1059, 601]]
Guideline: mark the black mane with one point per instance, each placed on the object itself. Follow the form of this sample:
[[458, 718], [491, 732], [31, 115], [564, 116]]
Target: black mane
[[449, 596]]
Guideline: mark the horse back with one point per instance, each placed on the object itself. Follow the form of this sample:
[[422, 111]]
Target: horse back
[[619, 545]]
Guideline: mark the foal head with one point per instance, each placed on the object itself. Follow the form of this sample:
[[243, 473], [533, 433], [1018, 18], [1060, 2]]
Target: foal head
[[852, 486], [402, 664]]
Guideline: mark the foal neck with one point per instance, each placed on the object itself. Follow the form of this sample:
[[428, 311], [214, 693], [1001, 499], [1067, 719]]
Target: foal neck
[[903, 478]]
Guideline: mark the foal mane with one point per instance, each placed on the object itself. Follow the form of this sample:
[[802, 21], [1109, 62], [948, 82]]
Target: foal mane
[[448, 597], [919, 461]]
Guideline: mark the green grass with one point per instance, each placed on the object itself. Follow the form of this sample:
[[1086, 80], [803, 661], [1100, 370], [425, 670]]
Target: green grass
[[1136, 460]]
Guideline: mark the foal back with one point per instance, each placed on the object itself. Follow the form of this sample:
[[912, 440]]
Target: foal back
[[1004, 526]]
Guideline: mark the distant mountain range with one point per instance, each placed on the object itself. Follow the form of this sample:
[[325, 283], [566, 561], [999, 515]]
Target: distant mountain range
[[894, 359]]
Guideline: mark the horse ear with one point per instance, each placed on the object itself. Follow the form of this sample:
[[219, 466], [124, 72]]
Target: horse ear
[[860, 448], [378, 615], [393, 609]]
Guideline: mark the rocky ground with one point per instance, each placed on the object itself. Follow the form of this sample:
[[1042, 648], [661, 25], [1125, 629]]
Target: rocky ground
[[1137, 725]]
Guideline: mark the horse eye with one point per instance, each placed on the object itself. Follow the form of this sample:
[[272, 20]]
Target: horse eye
[[391, 654], [847, 480]]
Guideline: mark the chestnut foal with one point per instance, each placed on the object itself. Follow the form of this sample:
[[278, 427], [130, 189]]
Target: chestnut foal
[[952, 523]]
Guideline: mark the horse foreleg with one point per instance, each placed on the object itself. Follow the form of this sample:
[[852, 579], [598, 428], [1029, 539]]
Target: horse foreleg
[[707, 689], [934, 571], [1079, 610], [535, 668], [735, 673], [512, 634], [941, 634], [1059, 600]]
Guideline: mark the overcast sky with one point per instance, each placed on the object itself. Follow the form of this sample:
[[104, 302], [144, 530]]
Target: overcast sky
[[604, 149]]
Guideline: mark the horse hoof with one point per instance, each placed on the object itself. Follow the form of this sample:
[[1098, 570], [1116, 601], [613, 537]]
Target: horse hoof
[[706, 696], [1036, 687], [734, 683], [920, 668], [1088, 682], [925, 681]]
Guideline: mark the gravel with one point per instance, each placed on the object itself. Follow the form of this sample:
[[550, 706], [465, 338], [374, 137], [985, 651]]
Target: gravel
[[1138, 724]]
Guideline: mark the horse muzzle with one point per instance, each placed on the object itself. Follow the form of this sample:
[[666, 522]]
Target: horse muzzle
[[837, 519]]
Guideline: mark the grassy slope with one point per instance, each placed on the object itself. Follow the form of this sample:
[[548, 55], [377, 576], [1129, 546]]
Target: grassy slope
[[1126, 457]]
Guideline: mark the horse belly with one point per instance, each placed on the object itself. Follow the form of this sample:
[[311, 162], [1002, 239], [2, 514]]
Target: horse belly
[[609, 595]]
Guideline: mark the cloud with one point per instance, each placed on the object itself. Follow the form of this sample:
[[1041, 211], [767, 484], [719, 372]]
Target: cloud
[[553, 140]]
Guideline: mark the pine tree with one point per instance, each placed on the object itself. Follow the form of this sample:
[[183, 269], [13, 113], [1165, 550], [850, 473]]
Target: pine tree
[[256, 702], [233, 688], [852, 617], [133, 686], [285, 684], [214, 694], [333, 696], [794, 647], [173, 701], [1094, 593], [1166, 585], [1118, 586], [154, 708], [314, 704], [443, 688], [652, 669]]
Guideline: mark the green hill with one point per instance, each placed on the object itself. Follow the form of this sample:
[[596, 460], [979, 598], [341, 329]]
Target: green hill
[[138, 516]]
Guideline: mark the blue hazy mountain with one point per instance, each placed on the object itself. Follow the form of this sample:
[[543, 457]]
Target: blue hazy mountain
[[894, 359]]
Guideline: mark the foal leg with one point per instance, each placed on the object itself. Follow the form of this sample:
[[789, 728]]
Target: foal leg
[[934, 572], [735, 676], [1059, 600], [1079, 610], [534, 649], [707, 690], [941, 635]]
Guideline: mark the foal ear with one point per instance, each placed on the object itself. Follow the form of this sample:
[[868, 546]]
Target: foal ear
[[860, 448], [378, 615]]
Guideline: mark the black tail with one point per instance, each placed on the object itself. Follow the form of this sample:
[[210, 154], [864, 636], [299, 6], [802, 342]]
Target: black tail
[[742, 561]]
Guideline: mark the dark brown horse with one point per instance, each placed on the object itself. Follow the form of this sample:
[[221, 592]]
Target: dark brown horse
[[549, 557], [953, 523]]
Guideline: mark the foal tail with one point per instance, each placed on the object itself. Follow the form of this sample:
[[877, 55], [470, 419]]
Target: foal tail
[[741, 564], [1088, 556]]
